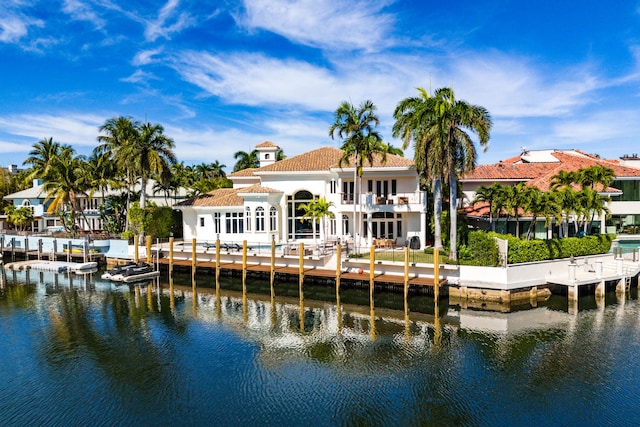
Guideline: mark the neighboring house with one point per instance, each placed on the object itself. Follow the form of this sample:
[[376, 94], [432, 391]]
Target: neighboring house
[[264, 203], [537, 167], [36, 199]]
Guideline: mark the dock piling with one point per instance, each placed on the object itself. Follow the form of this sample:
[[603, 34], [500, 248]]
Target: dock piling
[[171, 256]]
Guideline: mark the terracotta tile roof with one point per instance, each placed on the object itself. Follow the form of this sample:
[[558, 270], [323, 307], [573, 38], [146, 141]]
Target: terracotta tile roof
[[325, 158], [243, 172], [219, 197], [257, 188], [539, 174], [267, 144], [320, 159]]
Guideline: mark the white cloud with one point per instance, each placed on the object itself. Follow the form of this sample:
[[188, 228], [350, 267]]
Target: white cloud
[[331, 24], [612, 125], [145, 57], [82, 12], [74, 129], [511, 86], [12, 147], [139, 76], [257, 80], [159, 28], [13, 27]]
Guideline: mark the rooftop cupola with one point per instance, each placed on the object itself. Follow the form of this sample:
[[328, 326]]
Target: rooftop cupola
[[267, 153]]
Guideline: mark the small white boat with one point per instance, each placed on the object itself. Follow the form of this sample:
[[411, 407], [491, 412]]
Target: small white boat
[[55, 266], [118, 270], [140, 271]]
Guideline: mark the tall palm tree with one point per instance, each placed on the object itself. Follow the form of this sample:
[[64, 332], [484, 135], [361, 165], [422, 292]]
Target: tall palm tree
[[360, 141], [246, 160], [437, 125], [151, 155], [119, 132], [413, 122], [453, 118]]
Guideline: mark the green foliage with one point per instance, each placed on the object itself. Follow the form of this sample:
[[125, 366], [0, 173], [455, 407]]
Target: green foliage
[[539, 250], [127, 235], [21, 218], [136, 218], [159, 222], [482, 249], [154, 221]]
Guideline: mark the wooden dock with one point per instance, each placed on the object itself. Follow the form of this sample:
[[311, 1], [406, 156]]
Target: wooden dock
[[295, 267]]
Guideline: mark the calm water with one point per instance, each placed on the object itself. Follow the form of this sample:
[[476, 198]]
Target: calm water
[[89, 353]]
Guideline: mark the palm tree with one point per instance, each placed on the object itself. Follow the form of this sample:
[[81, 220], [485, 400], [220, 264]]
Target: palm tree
[[360, 141], [66, 180], [246, 160], [280, 155], [218, 169], [42, 155], [151, 156], [532, 198], [490, 194], [516, 198], [120, 132], [413, 120], [438, 127], [316, 211], [593, 175], [102, 174]]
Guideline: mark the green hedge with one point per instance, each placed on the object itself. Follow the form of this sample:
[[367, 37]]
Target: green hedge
[[483, 249], [539, 250]]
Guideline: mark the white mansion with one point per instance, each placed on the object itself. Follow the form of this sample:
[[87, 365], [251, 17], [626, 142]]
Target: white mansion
[[264, 203]]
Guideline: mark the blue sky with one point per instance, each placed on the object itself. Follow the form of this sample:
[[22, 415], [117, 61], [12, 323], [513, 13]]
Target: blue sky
[[223, 76]]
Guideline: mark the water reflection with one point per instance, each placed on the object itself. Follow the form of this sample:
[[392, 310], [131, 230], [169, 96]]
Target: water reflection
[[173, 353]]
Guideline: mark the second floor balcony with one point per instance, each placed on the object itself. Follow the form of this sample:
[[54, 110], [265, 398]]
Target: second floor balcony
[[399, 200]]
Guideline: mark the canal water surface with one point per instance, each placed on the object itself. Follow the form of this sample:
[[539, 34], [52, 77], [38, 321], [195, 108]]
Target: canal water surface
[[81, 351]]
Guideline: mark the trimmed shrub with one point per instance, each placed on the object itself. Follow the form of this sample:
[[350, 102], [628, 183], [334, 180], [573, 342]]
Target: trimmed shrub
[[539, 250], [483, 249]]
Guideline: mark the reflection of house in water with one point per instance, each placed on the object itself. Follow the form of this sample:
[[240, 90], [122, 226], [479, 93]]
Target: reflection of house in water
[[513, 322], [324, 328]]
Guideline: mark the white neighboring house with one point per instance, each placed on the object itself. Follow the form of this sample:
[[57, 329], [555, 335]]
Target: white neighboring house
[[36, 199], [264, 203]]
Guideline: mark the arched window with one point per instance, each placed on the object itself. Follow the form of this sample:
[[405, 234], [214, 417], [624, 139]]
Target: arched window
[[247, 218], [273, 219], [297, 227], [260, 219]]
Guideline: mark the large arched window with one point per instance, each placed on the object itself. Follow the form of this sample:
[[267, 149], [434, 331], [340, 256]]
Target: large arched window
[[297, 227], [260, 219], [273, 219]]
